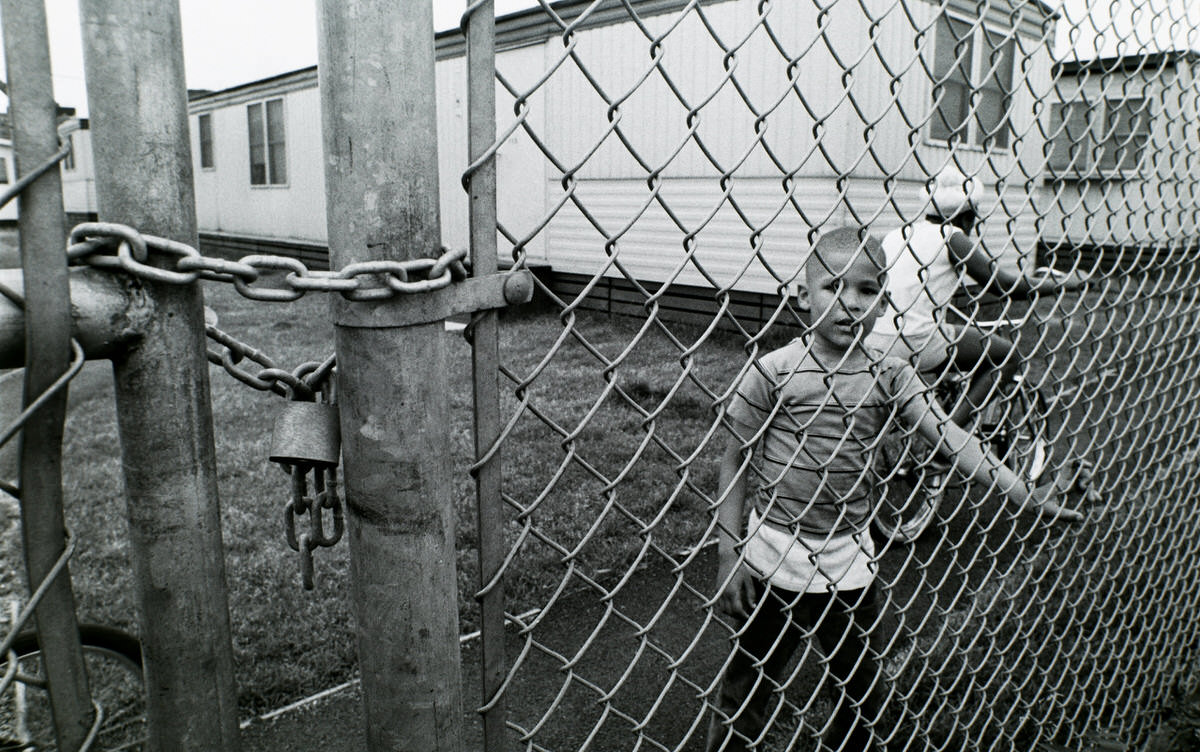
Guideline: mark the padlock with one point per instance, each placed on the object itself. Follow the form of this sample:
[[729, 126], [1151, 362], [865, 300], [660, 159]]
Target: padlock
[[307, 434]]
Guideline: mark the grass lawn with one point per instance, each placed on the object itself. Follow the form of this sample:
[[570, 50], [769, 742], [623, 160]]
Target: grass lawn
[[610, 460], [588, 498]]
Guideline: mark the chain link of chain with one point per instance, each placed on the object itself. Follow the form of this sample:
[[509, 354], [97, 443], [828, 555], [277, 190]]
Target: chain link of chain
[[308, 381], [325, 498], [113, 246], [301, 383]]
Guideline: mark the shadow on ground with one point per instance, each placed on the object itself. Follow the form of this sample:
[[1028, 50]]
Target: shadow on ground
[[597, 679]]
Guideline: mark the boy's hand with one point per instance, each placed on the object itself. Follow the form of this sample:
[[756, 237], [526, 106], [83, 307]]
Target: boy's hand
[[737, 595], [1074, 486], [1043, 498]]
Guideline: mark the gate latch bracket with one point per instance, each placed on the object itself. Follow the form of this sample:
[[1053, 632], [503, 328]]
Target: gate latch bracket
[[465, 296]]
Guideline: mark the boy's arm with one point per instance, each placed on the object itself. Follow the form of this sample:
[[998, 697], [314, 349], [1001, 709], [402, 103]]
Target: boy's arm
[[979, 464], [733, 579], [986, 270]]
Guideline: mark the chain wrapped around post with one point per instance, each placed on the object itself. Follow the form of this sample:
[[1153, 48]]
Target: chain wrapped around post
[[306, 439], [107, 245]]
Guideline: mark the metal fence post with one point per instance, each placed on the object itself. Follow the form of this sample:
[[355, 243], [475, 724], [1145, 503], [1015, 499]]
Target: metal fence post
[[47, 356], [480, 32], [376, 63], [133, 53]]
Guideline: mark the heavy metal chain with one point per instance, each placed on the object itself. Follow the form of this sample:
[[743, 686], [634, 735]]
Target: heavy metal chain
[[301, 383], [108, 245], [307, 382], [305, 443], [121, 248], [324, 498]]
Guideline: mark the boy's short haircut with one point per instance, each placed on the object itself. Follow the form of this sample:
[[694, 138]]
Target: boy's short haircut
[[849, 240]]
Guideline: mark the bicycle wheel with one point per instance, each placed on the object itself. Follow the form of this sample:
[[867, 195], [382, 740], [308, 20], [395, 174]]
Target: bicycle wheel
[[114, 665], [912, 487], [1020, 437]]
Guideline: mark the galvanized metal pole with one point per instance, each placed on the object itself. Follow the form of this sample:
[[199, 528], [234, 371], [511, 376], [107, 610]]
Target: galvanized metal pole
[[137, 97], [376, 66], [104, 318], [485, 354], [47, 357]]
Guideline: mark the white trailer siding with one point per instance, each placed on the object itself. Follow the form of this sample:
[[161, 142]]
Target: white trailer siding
[[706, 159], [791, 141], [521, 168], [226, 202], [1156, 202], [451, 79], [78, 175]]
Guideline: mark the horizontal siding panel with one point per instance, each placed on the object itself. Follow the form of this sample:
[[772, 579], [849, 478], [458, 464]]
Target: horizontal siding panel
[[854, 118], [656, 92], [805, 91], [653, 247]]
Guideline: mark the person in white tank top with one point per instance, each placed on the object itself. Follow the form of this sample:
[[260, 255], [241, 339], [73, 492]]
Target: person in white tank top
[[928, 262]]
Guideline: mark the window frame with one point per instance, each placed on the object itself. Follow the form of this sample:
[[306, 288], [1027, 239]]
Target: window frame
[[4, 170], [1074, 131], [271, 144], [204, 140], [1101, 132], [1117, 142], [982, 36]]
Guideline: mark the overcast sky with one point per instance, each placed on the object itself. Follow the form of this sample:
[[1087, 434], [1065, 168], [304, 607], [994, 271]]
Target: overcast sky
[[225, 42], [230, 42]]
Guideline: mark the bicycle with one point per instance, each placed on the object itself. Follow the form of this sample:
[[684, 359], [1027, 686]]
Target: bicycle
[[1012, 425], [114, 664]]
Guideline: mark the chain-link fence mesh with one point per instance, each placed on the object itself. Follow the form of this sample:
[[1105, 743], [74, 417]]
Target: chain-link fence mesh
[[676, 162]]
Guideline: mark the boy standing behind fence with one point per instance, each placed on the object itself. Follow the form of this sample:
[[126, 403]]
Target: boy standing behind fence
[[812, 413]]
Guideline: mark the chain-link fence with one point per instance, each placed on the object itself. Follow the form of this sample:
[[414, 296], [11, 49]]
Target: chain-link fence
[[742, 514], [676, 162]]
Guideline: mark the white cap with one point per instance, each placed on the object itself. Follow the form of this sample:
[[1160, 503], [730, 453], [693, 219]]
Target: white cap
[[952, 193]]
